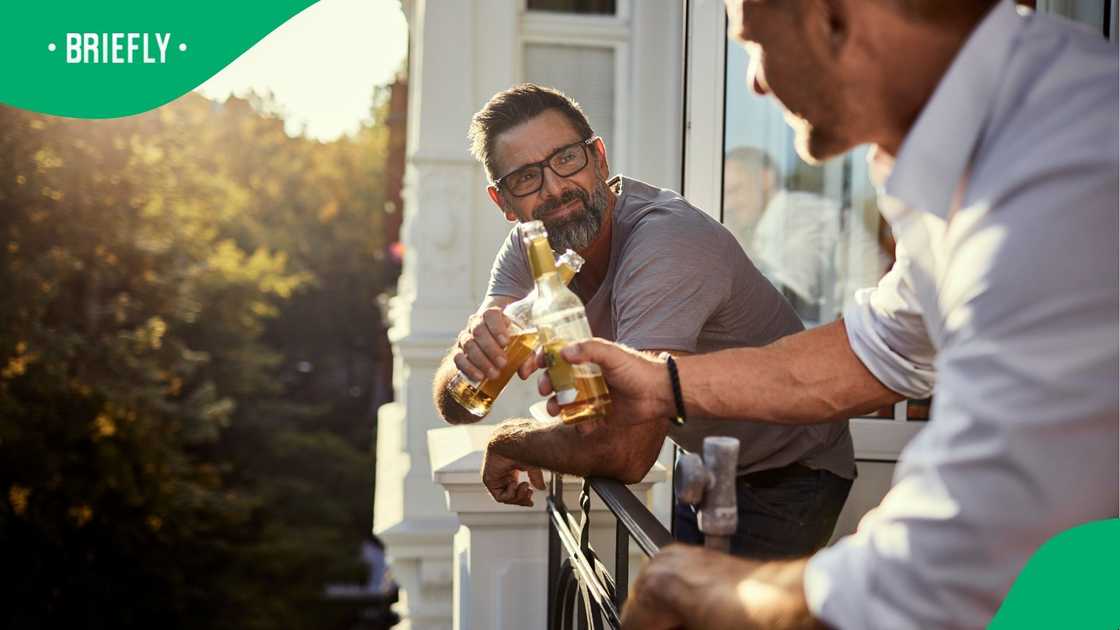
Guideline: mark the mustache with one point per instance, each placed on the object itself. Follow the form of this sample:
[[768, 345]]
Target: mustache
[[567, 197]]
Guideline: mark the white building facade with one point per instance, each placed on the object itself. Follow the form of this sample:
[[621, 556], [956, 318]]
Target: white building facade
[[656, 78]]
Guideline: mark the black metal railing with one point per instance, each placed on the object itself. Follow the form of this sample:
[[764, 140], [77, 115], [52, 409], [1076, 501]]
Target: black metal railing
[[582, 593]]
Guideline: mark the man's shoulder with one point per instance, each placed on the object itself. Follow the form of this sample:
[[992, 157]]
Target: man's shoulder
[[510, 249], [651, 213], [664, 234]]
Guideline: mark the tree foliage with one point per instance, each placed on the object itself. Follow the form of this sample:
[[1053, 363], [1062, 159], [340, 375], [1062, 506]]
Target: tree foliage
[[189, 347]]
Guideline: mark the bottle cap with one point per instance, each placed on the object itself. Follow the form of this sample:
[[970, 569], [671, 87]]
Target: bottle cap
[[571, 259]]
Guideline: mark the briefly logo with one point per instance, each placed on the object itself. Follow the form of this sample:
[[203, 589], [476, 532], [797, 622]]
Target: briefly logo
[[117, 48]]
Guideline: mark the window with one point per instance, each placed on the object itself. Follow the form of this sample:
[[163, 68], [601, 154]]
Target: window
[[585, 73]]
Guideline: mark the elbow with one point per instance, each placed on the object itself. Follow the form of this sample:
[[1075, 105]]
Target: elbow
[[451, 411], [630, 463], [631, 476], [459, 415]]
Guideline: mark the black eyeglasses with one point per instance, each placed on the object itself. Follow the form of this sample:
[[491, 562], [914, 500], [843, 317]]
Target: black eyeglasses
[[565, 162]]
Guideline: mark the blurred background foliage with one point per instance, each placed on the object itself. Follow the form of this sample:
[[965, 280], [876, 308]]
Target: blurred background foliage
[[192, 351]]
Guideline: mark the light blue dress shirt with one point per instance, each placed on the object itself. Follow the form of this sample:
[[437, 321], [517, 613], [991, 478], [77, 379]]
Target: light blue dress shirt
[[1003, 303]]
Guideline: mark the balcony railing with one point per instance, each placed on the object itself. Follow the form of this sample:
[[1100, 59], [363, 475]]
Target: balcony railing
[[582, 592]]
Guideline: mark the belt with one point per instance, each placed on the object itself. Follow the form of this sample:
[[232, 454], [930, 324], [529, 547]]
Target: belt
[[773, 476]]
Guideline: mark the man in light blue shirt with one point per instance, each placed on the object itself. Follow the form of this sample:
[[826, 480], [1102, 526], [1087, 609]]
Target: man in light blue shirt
[[997, 160]]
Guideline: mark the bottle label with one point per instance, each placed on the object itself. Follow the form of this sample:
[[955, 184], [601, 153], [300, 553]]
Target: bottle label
[[560, 372]]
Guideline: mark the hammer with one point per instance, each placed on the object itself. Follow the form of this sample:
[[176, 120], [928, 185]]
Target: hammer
[[709, 484]]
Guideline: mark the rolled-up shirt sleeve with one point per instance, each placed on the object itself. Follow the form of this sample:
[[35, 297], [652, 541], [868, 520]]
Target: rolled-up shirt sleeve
[[887, 333]]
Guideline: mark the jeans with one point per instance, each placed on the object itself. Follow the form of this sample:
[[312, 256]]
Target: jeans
[[783, 513]]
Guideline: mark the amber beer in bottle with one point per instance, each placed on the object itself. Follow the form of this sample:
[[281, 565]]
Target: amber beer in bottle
[[478, 396], [560, 319]]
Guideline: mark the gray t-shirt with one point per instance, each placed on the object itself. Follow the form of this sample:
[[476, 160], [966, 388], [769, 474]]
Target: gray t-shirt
[[678, 280]]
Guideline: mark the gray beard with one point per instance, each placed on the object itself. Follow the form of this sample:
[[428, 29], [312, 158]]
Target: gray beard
[[578, 232]]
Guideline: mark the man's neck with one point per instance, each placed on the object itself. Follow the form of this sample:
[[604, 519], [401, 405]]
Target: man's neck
[[925, 61], [597, 256]]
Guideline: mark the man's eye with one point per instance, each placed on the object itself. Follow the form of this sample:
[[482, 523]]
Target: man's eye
[[565, 157], [524, 176]]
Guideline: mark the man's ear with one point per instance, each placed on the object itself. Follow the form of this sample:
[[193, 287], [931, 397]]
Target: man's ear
[[835, 18], [496, 197], [600, 149]]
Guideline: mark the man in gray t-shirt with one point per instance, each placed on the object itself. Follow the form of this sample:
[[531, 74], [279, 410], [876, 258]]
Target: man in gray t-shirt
[[660, 276]]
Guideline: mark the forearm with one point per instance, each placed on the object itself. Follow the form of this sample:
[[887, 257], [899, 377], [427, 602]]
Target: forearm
[[445, 404], [805, 378], [623, 453]]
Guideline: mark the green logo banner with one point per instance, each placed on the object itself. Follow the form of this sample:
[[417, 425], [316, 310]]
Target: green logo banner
[[108, 59], [1070, 582]]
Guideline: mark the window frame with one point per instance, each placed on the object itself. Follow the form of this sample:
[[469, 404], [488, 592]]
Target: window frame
[[705, 89]]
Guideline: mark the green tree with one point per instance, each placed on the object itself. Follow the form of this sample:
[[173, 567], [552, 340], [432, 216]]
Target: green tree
[[165, 279]]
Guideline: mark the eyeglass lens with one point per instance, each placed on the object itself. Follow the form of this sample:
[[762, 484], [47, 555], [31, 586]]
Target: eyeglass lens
[[566, 162]]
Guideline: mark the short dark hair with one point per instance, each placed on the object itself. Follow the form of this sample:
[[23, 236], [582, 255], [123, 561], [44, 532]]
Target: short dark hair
[[514, 106]]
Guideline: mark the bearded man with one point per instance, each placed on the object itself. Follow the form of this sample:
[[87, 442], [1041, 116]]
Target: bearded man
[[660, 275]]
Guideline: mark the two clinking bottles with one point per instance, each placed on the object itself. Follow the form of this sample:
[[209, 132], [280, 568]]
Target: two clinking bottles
[[550, 316]]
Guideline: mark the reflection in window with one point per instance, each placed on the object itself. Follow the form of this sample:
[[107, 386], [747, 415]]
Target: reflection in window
[[600, 7], [814, 231]]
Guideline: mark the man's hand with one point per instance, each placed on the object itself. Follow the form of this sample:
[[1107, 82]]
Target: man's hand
[[500, 476], [692, 587], [638, 382], [480, 348]]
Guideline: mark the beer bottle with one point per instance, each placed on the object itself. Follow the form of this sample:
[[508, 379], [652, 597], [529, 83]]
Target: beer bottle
[[560, 319], [478, 396]]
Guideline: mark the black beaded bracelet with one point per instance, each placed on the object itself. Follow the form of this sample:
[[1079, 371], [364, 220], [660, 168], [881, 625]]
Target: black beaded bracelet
[[678, 398]]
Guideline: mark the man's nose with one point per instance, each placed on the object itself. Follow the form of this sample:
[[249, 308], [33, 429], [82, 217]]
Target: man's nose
[[552, 185], [756, 78]]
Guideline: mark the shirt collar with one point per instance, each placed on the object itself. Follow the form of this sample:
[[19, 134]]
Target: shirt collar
[[936, 151]]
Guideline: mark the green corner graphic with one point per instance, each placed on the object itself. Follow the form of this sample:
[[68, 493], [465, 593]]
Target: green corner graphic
[[110, 59], [1072, 581]]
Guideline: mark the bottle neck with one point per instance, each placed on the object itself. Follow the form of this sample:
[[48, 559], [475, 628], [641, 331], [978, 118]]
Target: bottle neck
[[543, 264]]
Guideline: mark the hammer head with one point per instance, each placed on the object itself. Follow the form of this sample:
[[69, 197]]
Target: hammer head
[[690, 479]]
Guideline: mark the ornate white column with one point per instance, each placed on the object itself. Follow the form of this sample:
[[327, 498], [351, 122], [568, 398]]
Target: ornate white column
[[501, 551], [460, 54]]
